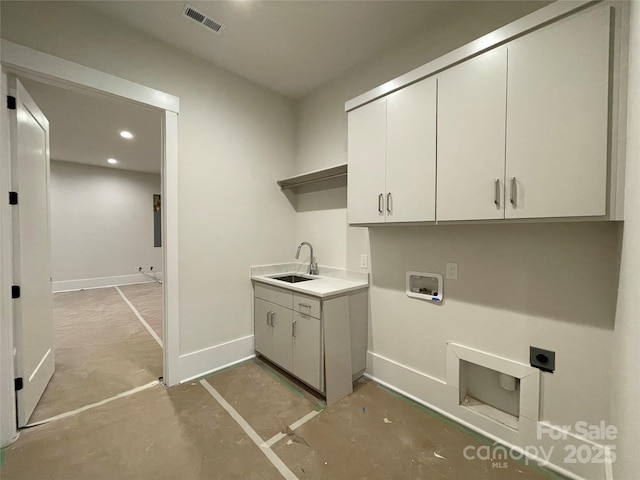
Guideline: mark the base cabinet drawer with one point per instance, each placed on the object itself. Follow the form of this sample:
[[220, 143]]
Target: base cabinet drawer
[[307, 305]]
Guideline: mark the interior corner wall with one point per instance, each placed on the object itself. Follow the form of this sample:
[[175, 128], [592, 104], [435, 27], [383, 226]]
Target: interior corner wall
[[235, 139], [322, 121], [102, 224], [625, 391], [519, 285]]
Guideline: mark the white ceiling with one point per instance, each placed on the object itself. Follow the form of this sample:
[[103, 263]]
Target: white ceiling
[[291, 47], [85, 128]]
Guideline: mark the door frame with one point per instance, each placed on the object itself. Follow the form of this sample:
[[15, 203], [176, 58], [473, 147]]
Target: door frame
[[26, 62]]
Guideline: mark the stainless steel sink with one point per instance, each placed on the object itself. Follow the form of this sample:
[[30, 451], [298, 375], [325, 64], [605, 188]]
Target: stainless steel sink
[[292, 278]]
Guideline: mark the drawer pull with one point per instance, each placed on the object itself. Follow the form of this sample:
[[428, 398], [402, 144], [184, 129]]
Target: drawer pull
[[305, 305]]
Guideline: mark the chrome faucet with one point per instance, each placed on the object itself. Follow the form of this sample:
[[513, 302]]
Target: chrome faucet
[[313, 266]]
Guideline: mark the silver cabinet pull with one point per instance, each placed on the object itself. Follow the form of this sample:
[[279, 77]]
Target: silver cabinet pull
[[514, 192], [380, 202], [305, 305], [269, 313], [293, 328], [496, 194], [389, 202], [273, 314]]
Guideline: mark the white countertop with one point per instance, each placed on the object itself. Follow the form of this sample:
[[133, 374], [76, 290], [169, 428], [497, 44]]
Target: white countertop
[[329, 283]]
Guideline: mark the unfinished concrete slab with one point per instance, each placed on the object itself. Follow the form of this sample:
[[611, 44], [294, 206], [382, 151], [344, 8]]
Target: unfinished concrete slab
[[159, 433], [101, 350], [375, 434], [148, 300], [263, 397]]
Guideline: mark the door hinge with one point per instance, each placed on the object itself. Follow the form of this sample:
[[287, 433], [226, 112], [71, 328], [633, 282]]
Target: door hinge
[[19, 384], [15, 291], [11, 102], [13, 198]]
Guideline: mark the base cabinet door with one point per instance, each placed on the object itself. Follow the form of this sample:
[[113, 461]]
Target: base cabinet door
[[262, 327], [282, 328], [307, 350]]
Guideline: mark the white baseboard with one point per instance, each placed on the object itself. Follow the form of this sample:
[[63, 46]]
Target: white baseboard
[[437, 395], [208, 360], [101, 282]]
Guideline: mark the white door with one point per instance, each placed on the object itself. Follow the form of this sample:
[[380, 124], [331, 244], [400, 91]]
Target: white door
[[366, 156], [471, 138], [411, 153], [557, 119], [33, 310]]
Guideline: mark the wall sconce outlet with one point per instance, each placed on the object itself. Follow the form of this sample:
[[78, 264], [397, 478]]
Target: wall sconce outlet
[[545, 360]]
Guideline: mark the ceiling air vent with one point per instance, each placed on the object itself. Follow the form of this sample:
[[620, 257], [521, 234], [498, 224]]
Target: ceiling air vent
[[192, 13]]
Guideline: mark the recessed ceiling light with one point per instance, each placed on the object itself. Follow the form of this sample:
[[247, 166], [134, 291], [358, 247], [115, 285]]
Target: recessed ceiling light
[[112, 161], [125, 134]]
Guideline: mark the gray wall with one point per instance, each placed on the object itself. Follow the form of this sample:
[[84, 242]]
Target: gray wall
[[101, 221], [234, 140]]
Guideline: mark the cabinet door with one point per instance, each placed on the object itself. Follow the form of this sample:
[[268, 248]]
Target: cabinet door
[[307, 350], [282, 326], [471, 138], [411, 153], [261, 327], [557, 118], [366, 156]]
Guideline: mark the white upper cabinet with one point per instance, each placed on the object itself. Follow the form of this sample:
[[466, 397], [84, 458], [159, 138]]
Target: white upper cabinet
[[366, 149], [557, 119], [471, 138], [522, 131], [392, 157], [411, 153]]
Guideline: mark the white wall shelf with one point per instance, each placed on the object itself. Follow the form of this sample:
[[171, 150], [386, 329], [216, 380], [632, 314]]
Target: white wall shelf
[[314, 176]]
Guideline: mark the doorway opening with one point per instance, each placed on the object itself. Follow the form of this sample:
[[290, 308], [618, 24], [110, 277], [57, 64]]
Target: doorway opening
[[107, 264], [106, 256]]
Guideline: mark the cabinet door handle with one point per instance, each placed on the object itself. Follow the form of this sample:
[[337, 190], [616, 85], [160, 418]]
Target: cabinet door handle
[[273, 314], [496, 193], [380, 202], [389, 202], [514, 192], [305, 305], [269, 313], [293, 328]]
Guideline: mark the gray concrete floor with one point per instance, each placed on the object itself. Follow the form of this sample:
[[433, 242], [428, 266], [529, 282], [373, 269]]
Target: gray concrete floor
[[185, 433]]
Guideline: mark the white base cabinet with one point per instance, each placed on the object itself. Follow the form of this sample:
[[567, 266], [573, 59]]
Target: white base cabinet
[[322, 342]]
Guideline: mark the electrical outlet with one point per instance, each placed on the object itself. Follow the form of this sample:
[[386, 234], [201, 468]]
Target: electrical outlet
[[545, 360], [364, 261], [452, 271]]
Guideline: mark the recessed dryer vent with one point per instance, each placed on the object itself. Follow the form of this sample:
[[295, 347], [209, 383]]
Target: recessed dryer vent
[[492, 391], [426, 286]]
